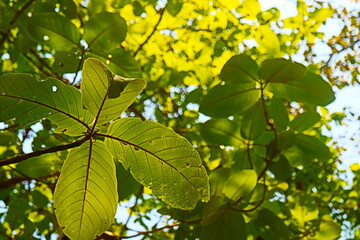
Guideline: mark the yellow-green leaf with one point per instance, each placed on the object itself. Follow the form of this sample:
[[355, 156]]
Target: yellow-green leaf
[[161, 160], [86, 196]]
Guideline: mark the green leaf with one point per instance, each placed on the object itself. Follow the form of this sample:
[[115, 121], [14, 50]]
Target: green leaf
[[296, 157], [54, 30], [253, 123], [281, 70], [240, 184], [228, 225], [224, 101], [105, 31], [268, 41], [122, 63], [43, 165], [310, 89], [313, 146], [305, 121], [281, 169], [161, 160], [174, 7], [28, 100], [221, 132], [239, 69], [127, 185], [85, 196], [16, 213], [279, 113], [104, 95], [328, 230], [217, 180], [271, 225]]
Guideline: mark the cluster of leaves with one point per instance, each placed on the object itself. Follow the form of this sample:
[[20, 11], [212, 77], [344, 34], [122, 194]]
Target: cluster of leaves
[[255, 120]]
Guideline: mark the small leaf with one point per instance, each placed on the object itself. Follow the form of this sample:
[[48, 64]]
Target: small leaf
[[54, 30], [28, 100], [40, 166], [310, 89], [174, 7], [281, 70], [240, 184], [328, 230], [98, 82], [161, 160], [305, 121], [85, 196], [16, 213], [279, 113], [313, 146], [239, 69], [221, 132], [105, 31], [224, 101], [253, 123]]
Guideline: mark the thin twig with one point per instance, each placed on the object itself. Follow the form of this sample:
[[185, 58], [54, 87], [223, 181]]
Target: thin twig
[[162, 11], [23, 157], [336, 53]]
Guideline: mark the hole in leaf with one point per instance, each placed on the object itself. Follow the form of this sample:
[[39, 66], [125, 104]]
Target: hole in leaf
[[54, 88], [46, 37], [136, 149], [188, 164]]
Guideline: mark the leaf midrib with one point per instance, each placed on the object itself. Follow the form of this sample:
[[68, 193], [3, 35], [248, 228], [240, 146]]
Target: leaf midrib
[[48, 106], [152, 154]]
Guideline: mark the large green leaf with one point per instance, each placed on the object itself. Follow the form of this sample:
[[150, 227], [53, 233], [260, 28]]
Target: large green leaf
[[161, 160], [104, 31], [281, 70], [85, 196], [240, 184], [227, 226], [221, 132], [239, 69], [54, 30], [28, 100], [253, 123], [106, 96], [310, 89], [227, 100], [305, 121], [279, 113], [271, 226]]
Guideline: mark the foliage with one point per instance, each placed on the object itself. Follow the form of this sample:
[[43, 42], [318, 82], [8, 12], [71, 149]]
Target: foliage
[[83, 131]]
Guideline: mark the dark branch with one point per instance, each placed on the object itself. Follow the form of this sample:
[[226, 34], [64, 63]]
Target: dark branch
[[336, 53], [23, 157], [162, 11]]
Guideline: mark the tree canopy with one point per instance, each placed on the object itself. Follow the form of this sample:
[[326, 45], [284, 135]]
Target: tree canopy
[[191, 119]]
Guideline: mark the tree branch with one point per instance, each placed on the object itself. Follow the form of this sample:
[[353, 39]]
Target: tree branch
[[162, 11], [23, 157], [336, 53]]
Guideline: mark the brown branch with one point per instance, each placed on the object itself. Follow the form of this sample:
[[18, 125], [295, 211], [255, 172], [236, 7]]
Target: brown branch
[[13, 21], [23, 157], [13, 181], [336, 53], [45, 64], [161, 11]]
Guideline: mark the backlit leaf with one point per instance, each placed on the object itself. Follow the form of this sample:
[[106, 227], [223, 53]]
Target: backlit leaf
[[305, 121], [28, 100], [281, 70], [240, 184], [253, 123], [224, 101], [271, 226], [105, 31], [221, 132], [239, 69], [40, 166], [279, 113], [85, 196], [161, 160], [54, 30], [106, 96], [310, 89]]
